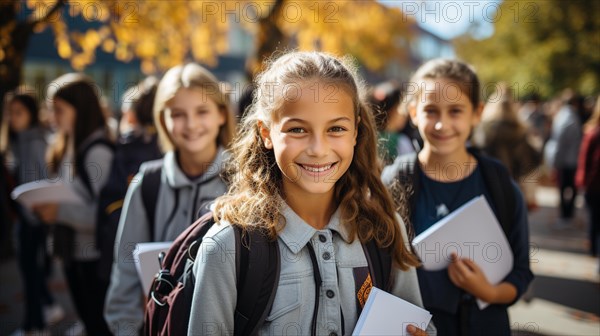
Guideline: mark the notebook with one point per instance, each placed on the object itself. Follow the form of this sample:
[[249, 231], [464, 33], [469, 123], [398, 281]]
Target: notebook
[[471, 231], [386, 314]]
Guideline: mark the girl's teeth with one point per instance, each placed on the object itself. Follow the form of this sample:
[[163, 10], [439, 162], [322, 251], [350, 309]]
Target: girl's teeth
[[317, 170]]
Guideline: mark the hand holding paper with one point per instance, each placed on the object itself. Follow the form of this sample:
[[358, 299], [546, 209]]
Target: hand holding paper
[[386, 314], [465, 274], [470, 232], [46, 212]]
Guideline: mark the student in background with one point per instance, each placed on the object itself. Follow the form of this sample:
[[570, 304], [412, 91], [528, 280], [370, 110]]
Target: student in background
[[195, 126], [588, 175], [137, 143], [503, 136], [561, 153], [25, 159], [392, 122], [303, 171], [445, 109], [79, 156]]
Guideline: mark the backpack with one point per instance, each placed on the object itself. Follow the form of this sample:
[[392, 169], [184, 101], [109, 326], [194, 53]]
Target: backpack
[[150, 189], [64, 236], [258, 265], [80, 162], [126, 163], [496, 178]]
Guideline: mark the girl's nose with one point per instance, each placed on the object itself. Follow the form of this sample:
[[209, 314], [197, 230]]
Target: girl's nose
[[441, 122], [318, 146], [193, 122]]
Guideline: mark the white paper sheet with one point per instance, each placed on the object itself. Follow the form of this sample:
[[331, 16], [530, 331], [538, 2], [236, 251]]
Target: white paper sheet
[[45, 191], [386, 314], [471, 231], [145, 257]]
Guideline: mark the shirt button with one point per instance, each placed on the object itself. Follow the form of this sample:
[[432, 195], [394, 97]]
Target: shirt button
[[326, 255], [322, 238], [330, 294]]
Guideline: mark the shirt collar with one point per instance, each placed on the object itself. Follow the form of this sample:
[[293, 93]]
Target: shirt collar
[[297, 233]]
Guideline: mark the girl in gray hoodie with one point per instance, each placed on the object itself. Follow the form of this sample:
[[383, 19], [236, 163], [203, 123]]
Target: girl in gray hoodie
[[195, 126]]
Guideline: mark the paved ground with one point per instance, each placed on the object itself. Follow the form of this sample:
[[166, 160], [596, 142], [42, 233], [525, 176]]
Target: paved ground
[[564, 299]]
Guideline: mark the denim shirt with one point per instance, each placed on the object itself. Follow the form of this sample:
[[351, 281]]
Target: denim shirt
[[339, 261]]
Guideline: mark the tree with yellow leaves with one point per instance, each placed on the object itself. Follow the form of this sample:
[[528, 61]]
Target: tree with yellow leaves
[[540, 45], [164, 33]]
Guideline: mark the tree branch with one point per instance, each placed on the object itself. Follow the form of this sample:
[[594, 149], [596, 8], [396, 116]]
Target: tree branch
[[57, 6]]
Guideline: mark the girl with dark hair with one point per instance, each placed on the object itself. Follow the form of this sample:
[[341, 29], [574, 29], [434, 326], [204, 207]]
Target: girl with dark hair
[[24, 152], [446, 174], [80, 157]]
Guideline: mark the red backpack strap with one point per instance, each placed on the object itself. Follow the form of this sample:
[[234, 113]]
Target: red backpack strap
[[169, 300], [186, 245]]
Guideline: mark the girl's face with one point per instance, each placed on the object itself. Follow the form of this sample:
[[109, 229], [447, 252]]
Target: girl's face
[[313, 139], [18, 116], [64, 115], [192, 120], [445, 116]]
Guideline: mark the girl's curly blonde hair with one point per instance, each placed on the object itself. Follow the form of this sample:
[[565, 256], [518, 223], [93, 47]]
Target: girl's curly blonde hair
[[254, 199]]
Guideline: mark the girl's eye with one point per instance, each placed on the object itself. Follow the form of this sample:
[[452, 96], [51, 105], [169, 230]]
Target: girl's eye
[[296, 130], [176, 115], [337, 129]]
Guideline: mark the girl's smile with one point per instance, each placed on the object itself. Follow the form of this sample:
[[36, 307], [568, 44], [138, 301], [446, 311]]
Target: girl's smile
[[318, 171]]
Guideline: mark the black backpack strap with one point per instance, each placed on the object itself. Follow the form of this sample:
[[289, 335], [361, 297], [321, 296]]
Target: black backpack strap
[[258, 277], [380, 265], [150, 189], [80, 162], [499, 184]]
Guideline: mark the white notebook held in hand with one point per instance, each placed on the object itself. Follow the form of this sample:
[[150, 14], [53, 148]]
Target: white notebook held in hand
[[45, 191], [471, 231], [386, 314]]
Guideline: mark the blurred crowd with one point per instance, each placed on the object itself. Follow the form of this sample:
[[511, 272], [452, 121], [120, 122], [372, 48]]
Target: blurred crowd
[[540, 140]]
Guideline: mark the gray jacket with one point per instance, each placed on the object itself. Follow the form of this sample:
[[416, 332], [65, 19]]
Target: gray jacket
[[26, 161], [82, 217], [27, 155], [124, 305], [339, 260], [563, 146]]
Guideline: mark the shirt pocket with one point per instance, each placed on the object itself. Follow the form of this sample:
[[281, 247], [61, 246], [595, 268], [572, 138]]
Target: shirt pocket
[[286, 300]]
